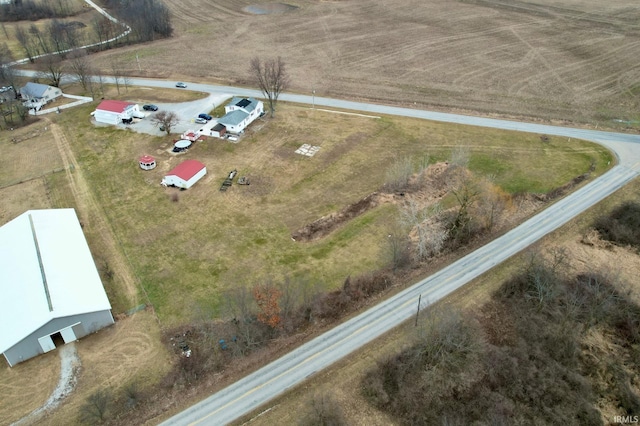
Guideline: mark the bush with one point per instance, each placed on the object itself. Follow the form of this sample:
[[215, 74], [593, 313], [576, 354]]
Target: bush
[[548, 346], [622, 226]]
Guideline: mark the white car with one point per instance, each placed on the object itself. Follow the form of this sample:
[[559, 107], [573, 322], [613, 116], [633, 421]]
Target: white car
[[200, 120], [181, 85]]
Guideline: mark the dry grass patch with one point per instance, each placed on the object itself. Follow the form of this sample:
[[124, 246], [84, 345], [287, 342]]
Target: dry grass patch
[[27, 386], [16, 199], [28, 152], [188, 252], [128, 352]]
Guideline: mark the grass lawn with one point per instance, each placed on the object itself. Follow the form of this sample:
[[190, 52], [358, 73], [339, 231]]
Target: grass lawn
[[187, 253]]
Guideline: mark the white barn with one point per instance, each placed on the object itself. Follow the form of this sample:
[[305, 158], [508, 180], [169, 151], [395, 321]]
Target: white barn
[[185, 174], [51, 290], [113, 112], [240, 112]]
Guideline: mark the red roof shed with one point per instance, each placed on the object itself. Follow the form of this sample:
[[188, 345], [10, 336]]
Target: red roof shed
[[185, 174]]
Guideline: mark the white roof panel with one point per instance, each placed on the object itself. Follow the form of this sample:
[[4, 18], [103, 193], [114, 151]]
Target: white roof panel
[[46, 272]]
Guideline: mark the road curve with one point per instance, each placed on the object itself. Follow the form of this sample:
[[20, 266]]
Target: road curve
[[256, 389]]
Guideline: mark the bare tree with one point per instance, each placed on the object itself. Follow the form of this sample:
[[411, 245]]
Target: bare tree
[[25, 40], [51, 68], [117, 70], [397, 248], [271, 77], [398, 174], [8, 75], [40, 39], [94, 410], [80, 67], [166, 120], [323, 410]]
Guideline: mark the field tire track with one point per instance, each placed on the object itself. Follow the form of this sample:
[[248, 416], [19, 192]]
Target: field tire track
[[93, 217]]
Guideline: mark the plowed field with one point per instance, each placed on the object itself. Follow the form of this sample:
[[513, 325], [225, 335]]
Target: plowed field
[[564, 60]]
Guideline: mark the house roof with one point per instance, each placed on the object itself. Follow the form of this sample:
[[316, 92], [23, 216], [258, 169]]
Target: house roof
[[187, 169], [233, 118], [35, 90], [46, 272], [248, 104], [114, 106]]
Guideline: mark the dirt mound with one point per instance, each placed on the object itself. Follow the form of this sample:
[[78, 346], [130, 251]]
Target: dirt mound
[[326, 224], [425, 188]]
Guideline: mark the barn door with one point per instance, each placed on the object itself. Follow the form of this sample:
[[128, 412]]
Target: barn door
[[46, 343]]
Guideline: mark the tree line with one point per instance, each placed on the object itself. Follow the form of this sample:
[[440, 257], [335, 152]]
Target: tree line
[[148, 20], [30, 10]]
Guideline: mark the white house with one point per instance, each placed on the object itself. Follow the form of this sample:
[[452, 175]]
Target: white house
[[51, 290], [35, 95], [241, 112], [114, 112], [185, 174]]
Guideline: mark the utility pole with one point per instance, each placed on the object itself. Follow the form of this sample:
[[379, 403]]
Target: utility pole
[[418, 311], [313, 99], [138, 61]]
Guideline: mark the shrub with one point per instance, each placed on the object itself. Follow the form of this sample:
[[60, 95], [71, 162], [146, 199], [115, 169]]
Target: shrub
[[622, 226]]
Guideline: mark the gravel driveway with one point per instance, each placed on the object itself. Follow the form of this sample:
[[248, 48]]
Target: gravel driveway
[[69, 366], [186, 111]]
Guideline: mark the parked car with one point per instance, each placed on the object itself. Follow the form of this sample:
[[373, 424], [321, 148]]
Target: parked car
[[149, 107], [205, 116], [200, 120], [181, 85]]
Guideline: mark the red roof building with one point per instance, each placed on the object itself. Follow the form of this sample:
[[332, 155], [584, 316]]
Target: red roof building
[[185, 174], [114, 112], [114, 106]]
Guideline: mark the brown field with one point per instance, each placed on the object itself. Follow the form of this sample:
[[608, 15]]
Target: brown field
[[557, 61], [572, 60]]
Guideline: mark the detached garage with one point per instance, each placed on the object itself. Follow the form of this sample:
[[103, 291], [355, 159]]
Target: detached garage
[[113, 112], [185, 174], [51, 290]]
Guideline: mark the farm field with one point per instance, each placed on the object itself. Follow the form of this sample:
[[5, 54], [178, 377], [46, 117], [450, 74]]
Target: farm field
[[181, 251], [568, 61], [557, 61], [188, 248]]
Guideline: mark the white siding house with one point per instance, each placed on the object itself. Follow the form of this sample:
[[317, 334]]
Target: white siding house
[[35, 95], [241, 112], [185, 174], [51, 290], [113, 112]]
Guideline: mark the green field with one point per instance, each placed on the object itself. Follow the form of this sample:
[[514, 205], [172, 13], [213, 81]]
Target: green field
[[187, 253]]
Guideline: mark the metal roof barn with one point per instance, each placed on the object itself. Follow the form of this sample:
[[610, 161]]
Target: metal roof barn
[[185, 174], [51, 290]]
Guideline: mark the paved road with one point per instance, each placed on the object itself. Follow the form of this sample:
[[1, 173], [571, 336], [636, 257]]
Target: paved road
[[257, 389]]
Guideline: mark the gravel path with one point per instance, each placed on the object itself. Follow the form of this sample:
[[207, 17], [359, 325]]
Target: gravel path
[[69, 367]]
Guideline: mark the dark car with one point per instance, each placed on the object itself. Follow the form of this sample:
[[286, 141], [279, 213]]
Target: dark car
[[205, 116], [149, 107], [181, 84]]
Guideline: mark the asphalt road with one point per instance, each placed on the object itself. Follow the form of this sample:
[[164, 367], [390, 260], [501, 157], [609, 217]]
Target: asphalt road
[[257, 389]]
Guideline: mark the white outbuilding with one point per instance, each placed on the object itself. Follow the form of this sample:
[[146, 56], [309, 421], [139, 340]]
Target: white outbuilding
[[51, 290], [116, 112], [185, 174]]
